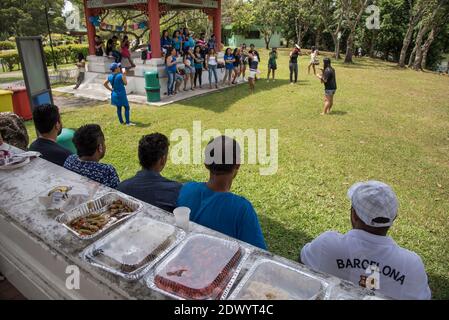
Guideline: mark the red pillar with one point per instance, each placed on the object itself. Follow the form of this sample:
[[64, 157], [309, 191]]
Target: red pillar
[[90, 29], [217, 25], [155, 29]]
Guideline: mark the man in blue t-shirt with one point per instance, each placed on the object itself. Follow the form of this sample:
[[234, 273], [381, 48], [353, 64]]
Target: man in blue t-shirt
[[213, 205]]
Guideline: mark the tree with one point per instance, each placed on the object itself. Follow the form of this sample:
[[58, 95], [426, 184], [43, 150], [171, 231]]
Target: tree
[[331, 16], [352, 12], [416, 11], [27, 17], [266, 17]]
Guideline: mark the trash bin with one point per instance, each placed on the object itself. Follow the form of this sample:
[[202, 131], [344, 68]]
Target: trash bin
[[65, 139], [21, 103], [152, 86], [6, 101]]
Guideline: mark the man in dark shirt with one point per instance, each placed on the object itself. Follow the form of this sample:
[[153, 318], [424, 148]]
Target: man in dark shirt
[[329, 80], [148, 185], [47, 121]]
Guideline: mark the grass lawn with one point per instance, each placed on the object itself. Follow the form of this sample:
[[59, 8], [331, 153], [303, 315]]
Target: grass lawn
[[388, 124]]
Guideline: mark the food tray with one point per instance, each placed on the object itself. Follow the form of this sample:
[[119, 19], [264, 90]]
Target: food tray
[[271, 280], [203, 267], [132, 249], [99, 206]]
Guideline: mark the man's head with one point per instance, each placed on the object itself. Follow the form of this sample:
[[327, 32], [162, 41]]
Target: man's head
[[374, 207], [326, 63], [252, 46], [115, 67], [89, 142], [115, 38], [222, 156], [153, 151], [47, 120]]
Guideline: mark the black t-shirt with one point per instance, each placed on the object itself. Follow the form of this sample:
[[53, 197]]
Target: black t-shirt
[[237, 61], [330, 79], [294, 57], [51, 151]]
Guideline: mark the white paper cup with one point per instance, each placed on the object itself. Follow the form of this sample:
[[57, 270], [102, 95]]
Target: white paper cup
[[182, 217]]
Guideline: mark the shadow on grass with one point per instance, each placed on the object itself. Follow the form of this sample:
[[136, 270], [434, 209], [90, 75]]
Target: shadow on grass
[[338, 113], [439, 286], [281, 240], [220, 101], [141, 124]]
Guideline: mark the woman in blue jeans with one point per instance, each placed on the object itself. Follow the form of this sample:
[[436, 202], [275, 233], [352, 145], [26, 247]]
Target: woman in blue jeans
[[170, 63], [117, 81], [211, 66]]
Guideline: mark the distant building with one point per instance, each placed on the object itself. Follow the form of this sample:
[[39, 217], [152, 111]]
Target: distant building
[[255, 36]]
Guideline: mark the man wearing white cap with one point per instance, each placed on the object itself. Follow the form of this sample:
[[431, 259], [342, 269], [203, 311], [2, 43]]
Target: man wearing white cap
[[366, 255]]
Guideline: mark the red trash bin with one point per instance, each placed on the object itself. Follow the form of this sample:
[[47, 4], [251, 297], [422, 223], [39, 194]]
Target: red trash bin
[[21, 103]]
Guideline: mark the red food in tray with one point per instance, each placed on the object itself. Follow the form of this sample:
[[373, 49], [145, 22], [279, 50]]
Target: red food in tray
[[201, 270]]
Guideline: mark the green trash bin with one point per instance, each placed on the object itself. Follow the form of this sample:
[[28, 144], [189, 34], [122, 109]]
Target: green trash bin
[[152, 86], [65, 139]]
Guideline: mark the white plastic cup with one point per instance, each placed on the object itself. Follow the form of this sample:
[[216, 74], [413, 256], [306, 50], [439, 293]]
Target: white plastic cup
[[182, 217]]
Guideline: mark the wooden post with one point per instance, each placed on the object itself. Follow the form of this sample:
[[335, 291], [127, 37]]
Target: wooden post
[[155, 29], [217, 26], [90, 29]]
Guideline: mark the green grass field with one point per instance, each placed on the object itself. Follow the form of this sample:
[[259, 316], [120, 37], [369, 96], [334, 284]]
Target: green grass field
[[388, 124]]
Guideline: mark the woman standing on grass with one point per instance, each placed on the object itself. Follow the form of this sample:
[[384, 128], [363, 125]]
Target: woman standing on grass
[[117, 80], [272, 64], [253, 65], [170, 64], [211, 67], [81, 65], [229, 66], [313, 60], [329, 80], [198, 64], [189, 69], [244, 61], [237, 62], [293, 65]]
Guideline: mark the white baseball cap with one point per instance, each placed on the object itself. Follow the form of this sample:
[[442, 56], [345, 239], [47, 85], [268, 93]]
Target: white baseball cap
[[372, 200]]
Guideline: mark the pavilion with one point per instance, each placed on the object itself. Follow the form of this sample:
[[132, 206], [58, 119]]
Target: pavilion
[[154, 9]]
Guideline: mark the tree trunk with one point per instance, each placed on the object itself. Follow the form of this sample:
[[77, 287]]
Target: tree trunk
[[413, 20], [412, 56], [372, 44], [349, 48], [318, 38], [425, 49]]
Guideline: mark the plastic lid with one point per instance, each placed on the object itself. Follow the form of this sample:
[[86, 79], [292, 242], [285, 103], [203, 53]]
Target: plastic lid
[[138, 243], [201, 269], [274, 281]]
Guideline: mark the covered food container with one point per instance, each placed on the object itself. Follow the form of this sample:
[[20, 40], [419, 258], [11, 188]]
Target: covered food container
[[93, 218], [134, 247], [272, 280], [202, 267]]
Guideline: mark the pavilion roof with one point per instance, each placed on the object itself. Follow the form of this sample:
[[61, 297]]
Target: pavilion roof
[[96, 4]]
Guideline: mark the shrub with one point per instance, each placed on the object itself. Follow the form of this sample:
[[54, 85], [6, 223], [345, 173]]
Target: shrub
[[63, 55], [7, 45]]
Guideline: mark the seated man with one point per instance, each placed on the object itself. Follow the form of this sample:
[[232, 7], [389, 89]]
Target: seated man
[[148, 185], [366, 255], [49, 126], [90, 146], [213, 205]]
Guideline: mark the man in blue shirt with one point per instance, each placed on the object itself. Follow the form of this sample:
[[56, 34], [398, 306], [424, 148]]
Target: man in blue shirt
[[213, 205], [90, 145], [148, 185]]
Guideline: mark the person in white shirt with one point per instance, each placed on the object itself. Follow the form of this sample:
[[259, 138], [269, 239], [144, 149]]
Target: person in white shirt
[[366, 255]]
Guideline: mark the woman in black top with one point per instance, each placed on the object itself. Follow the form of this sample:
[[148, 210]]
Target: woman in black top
[[293, 65], [329, 80], [237, 62]]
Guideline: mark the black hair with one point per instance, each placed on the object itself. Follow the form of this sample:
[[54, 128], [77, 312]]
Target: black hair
[[163, 33], [114, 37], [45, 117], [224, 165], [80, 56], [227, 49], [174, 33], [313, 49], [326, 63], [125, 37], [87, 138], [235, 51], [252, 45], [152, 148]]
